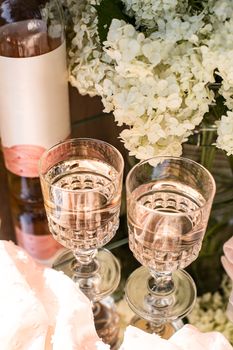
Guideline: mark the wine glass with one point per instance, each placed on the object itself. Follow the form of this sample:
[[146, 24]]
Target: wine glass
[[168, 205], [81, 182]]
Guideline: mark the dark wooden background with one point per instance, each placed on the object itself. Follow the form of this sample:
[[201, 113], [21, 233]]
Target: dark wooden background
[[88, 120]]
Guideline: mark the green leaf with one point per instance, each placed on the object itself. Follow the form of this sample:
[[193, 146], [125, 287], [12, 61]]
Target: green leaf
[[197, 5], [106, 12]]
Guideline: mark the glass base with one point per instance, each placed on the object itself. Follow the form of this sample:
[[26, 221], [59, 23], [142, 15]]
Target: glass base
[[107, 322], [103, 278], [165, 331], [160, 308]]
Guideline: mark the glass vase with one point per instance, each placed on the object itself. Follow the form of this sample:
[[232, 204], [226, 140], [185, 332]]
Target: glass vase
[[207, 270]]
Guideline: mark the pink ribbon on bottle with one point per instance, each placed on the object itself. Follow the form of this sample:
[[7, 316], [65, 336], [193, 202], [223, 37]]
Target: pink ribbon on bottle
[[22, 160]]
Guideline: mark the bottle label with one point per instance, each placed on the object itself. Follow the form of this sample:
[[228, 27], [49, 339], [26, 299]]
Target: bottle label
[[39, 247], [34, 108]]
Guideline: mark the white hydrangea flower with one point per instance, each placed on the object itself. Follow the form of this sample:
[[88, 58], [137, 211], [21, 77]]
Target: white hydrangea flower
[[225, 133], [223, 10], [155, 82], [209, 312], [85, 56], [148, 12], [169, 102]]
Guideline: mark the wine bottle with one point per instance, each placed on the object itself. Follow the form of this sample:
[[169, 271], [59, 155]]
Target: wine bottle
[[34, 109]]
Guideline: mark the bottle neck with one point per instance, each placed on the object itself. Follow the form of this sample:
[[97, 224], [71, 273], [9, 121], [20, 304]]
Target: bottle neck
[[30, 27], [16, 40], [19, 10]]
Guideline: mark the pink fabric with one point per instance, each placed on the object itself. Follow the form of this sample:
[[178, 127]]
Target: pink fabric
[[187, 338], [227, 262], [23, 160], [228, 249], [227, 259], [40, 308], [190, 338]]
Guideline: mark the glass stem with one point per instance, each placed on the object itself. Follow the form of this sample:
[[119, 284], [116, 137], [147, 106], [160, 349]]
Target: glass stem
[[85, 263], [85, 257], [161, 283], [84, 269], [157, 328], [160, 296]]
